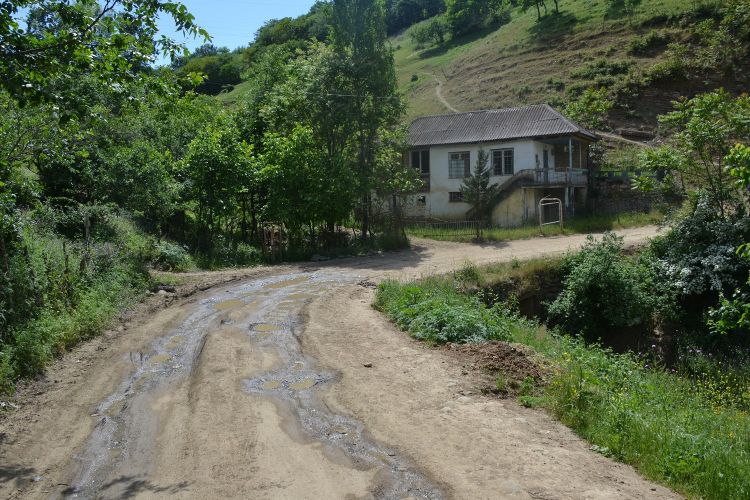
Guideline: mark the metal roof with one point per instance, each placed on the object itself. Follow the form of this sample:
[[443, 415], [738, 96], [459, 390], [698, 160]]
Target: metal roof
[[537, 121]]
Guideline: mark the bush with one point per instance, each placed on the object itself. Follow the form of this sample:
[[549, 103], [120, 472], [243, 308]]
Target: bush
[[697, 264], [170, 256], [649, 43], [227, 254], [436, 313], [59, 291], [603, 291], [590, 109], [602, 67]]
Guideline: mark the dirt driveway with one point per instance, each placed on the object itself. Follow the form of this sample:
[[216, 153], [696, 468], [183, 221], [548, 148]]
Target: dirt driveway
[[286, 384]]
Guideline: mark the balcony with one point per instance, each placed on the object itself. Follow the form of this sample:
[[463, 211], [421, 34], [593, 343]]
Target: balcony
[[549, 177]]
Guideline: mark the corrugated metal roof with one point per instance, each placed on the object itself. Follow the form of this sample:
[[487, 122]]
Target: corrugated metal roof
[[492, 125]]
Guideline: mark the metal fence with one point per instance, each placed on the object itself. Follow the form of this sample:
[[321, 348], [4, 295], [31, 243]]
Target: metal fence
[[432, 228]]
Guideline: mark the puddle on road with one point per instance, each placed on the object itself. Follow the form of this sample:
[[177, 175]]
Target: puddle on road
[[296, 386], [174, 342], [159, 359], [269, 314], [270, 385], [303, 384], [288, 282], [229, 304]]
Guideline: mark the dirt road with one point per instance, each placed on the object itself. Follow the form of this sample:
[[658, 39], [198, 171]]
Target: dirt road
[[288, 385]]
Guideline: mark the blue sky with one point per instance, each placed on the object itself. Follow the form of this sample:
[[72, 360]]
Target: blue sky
[[233, 23]]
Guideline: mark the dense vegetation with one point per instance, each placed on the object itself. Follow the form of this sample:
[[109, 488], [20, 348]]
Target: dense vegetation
[[693, 437], [674, 402], [109, 167]]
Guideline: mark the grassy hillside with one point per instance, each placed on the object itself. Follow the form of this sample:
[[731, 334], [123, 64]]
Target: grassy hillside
[[589, 43], [526, 61]]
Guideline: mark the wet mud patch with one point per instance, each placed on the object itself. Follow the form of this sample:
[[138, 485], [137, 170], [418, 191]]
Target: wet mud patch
[[489, 361], [288, 282], [265, 327], [228, 304]]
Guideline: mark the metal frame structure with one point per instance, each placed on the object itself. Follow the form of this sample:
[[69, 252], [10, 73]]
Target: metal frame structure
[[548, 201]]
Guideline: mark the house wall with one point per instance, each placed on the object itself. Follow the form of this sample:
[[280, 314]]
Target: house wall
[[437, 203]]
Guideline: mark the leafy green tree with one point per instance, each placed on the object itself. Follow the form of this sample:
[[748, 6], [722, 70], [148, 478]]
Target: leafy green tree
[[477, 191], [214, 161], [403, 13], [706, 128], [67, 38], [220, 72], [590, 109], [433, 31], [464, 16], [538, 4], [367, 81], [303, 188]]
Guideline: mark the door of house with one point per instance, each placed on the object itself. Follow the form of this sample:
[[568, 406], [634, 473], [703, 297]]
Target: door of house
[[545, 162]]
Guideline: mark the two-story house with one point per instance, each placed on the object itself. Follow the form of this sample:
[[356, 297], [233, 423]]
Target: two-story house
[[534, 152]]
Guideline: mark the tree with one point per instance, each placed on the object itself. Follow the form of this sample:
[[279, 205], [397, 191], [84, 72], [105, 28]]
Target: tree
[[304, 188], [67, 38], [706, 128], [527, 4], [590, 109], [214, 161], [432, 31], [463, 16], [367, 82], [477, 191]]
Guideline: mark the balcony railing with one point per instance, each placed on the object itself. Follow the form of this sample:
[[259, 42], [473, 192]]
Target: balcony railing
[[549, 177]]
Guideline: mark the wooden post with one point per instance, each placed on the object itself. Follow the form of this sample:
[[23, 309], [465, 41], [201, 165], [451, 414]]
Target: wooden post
[[570, 171]]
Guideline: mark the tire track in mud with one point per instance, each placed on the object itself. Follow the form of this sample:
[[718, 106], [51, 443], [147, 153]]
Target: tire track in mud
[[270, 311]]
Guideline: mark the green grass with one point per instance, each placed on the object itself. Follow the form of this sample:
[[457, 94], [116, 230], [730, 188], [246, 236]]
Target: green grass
[[64, 300], [659, 422], [486, 69], [577, 225]]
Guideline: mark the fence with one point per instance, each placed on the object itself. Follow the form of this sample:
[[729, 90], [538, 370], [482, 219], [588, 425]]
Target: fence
[[432, 228]]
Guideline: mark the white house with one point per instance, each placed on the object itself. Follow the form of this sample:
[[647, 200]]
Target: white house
[[534, 152]]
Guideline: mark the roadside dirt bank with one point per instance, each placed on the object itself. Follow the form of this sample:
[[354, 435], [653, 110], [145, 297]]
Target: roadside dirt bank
[[259, 388]]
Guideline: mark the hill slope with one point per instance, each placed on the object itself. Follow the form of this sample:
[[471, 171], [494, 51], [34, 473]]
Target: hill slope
[[529, 62]]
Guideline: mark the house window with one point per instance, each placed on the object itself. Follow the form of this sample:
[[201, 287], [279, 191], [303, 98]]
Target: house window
[[455, 197], [502, 162], [458, 165], [421, 161]]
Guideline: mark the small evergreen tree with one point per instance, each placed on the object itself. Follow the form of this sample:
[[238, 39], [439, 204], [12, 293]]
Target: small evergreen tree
[[477, 191]]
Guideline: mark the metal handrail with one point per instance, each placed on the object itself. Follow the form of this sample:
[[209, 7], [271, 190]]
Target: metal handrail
[[540, 176]]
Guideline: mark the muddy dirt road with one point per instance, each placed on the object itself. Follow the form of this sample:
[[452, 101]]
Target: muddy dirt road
[[288, 385]]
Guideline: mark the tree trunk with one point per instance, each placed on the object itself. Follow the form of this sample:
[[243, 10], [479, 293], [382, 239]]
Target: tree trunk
[[243, 225], [253, 217]]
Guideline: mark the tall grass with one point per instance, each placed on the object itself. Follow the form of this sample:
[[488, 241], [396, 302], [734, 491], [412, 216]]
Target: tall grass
[[659, 422], [577, 225], [60, 291]]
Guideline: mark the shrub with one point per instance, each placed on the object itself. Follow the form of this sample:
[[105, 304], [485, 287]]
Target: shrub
[[602, 67], [170, 256], [227, 254], [697, 264], [590, 108], [602, 291], [436, 313], [649, 43]]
